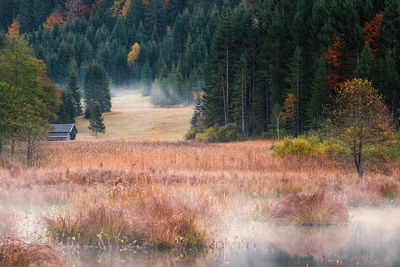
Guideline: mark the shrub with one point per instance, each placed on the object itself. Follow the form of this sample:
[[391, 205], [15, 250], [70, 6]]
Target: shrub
[[15, 252], [191, 134], [300, 146], [209, 135], [318, 208], [228, 133]]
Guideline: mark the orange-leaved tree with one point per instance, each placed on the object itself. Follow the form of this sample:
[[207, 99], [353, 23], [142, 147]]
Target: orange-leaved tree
[[125, 8], [133, 54], [334, 57], [54, 18], [13, 30], [371, 32], [360, 122]]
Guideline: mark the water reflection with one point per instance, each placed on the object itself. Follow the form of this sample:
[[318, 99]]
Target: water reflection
[[372, 238]]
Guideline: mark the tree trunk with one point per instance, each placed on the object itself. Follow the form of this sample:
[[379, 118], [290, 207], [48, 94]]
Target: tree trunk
[[29, 151], [297, 96], [358, 160], [227, 86], [12, 147], [266, 106], [1, 146], [243, 122]]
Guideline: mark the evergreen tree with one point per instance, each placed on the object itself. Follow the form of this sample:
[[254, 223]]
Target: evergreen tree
[[295, 81], [320, 93], [75, 93], [96, 124], [67, 108], [364, 67], [97, 88]]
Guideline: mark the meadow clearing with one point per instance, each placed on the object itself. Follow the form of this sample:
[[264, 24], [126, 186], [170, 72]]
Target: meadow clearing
[[144, 201]]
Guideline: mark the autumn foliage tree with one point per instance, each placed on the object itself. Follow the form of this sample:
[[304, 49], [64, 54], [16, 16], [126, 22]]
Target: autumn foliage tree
[[371, 32], [289, 111], [133, 54], [54, 18], [125, 8], [333, 57], [360, 121], [13, 30]]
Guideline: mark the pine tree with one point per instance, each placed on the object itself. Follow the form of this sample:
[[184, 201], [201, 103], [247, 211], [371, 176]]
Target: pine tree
[[295, 81], [364, 67], [75, 93], [96, 124], [320, 93], [67, 108], [97, 88]]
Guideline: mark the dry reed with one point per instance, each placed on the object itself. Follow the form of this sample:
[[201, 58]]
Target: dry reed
[[318, 208], [15, 252]]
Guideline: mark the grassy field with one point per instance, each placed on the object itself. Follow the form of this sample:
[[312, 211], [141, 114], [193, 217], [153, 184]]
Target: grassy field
[[141, 185], [134, 118]]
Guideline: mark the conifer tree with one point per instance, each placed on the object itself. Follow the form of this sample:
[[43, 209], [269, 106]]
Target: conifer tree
[[97, 88], [67, 108], [320, 93], [295, 81], [75, 93], [96, 124]]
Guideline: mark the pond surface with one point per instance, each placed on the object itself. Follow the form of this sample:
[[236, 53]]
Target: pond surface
[[372, 238]]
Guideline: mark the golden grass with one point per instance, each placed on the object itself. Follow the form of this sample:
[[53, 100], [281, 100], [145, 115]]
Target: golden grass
[[182, 195], [134, 118], [317, 208], [130, 216]]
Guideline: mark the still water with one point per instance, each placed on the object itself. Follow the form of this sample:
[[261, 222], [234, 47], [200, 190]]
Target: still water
[[371, 238]]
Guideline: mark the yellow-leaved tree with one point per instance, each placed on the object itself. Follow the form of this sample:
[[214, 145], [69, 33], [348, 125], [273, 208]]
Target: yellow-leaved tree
[[133, 54], [289, 112], [360, 122]]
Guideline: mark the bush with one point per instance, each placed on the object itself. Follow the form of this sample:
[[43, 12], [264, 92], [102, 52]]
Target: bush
[[209, 135], [318, 208], [191, 134], [228, 133], [300, 146]]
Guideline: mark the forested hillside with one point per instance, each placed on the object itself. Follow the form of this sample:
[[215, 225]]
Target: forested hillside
[[258, 64]]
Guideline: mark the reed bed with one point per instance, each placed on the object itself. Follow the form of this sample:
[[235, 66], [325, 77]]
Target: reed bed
[[181, 195]]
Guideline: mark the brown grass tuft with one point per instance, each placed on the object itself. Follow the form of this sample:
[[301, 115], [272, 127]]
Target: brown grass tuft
[[15, 252], [318, 208], [130, 216], [389, 190]]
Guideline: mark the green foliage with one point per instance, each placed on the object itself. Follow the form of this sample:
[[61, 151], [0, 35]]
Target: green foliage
[[228, 133], [67, 108], [28, 99], [301, 146], [97, 88], [191, 134], [96, 124], [209, 135], [75, 93]]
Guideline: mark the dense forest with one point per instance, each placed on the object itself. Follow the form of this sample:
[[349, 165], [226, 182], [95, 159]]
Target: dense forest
[[252, 63]]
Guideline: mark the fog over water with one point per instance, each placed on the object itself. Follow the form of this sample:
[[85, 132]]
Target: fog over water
[[371, 238]]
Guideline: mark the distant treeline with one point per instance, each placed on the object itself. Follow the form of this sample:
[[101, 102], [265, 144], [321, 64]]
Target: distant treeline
[[259, 62], [174, 39]]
